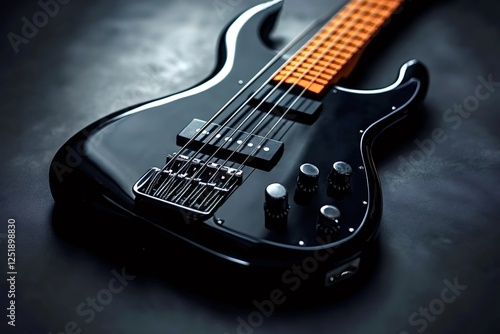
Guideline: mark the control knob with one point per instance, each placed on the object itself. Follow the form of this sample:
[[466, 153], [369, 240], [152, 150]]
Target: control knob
[[307, 183], [276, 207], [328, 220], [339, 180]]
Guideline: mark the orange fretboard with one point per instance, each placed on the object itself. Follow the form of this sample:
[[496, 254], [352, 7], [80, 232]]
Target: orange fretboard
[[333, 51]]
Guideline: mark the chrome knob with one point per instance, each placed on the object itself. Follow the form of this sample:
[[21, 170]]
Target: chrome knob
[[276, 207], [339, 180], [307, 183], [328, 220]]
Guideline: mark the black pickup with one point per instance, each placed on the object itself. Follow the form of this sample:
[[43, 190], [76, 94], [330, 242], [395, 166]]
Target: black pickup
[[234, 146], [298, 108]]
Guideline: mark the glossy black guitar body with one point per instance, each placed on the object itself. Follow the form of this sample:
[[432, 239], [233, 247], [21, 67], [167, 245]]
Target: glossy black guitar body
[[101, 164]]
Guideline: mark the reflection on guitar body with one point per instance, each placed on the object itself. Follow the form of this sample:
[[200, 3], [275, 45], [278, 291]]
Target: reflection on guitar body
[[264, 164]]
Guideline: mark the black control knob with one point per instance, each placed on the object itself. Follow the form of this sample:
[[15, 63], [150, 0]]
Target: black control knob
[[276, 207], [328, 221], [307, 183], [339, 180]]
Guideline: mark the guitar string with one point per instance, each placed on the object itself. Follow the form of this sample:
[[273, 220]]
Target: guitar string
[[346, 33], [187, 182], [257, 76], [213, 197], [228, 103], [325, 66], [166, 187], [312, 81], [326, 51]]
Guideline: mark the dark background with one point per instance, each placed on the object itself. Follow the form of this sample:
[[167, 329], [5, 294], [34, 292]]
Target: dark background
[[441, 206]]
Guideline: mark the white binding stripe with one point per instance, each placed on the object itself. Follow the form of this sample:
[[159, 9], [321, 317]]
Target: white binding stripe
[[230, 42]]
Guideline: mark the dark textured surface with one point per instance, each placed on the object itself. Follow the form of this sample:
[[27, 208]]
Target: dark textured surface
[[440, 209]]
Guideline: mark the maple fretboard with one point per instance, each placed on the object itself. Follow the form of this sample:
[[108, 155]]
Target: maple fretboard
[[330, 54]]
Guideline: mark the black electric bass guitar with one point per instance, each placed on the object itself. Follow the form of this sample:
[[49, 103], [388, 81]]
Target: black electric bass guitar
[[267, 163]]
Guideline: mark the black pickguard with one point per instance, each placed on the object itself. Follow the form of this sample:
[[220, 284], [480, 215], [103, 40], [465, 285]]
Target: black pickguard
[[102, 162]]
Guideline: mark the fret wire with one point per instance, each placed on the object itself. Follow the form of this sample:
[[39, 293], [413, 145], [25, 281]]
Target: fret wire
[[313, 52], [279, 120], [305, 75], [343, 48], [253, 131], [226, 105], [367, 18]]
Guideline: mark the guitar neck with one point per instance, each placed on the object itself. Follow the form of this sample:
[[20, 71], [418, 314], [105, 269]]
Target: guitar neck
[[332, 53]]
